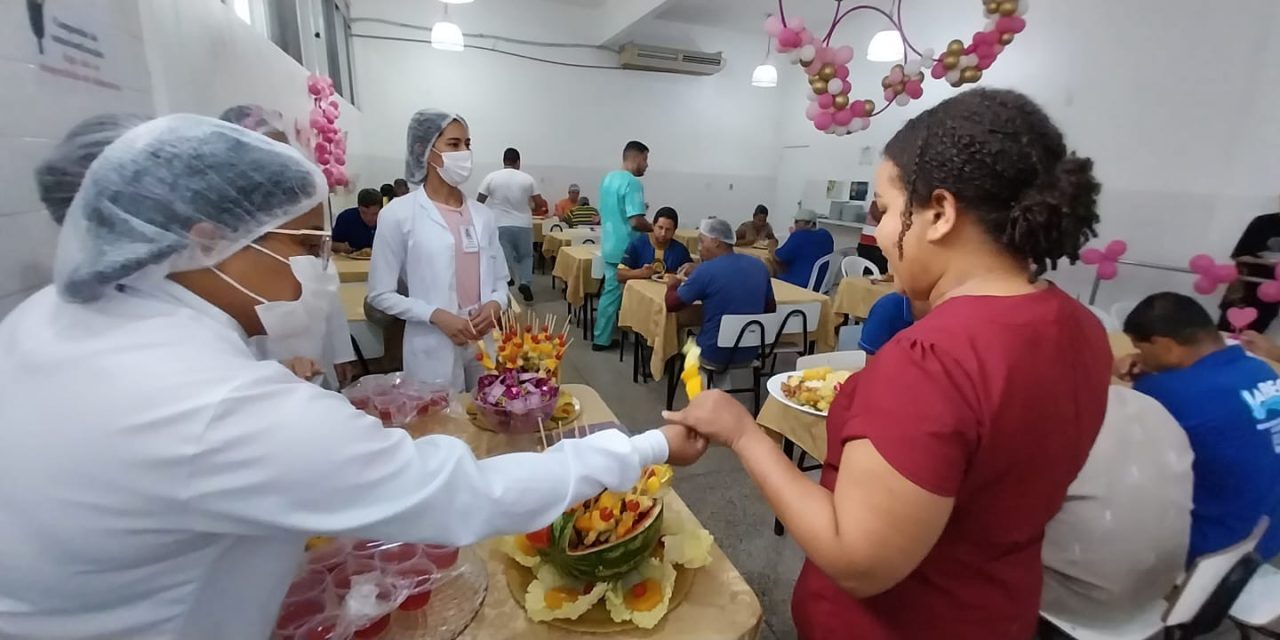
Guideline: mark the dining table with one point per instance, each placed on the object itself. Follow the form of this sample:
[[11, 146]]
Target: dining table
[[688, 238], [573, 266], [644, 312], [855, 296], [720, 605], [553, 241], [351, 269]]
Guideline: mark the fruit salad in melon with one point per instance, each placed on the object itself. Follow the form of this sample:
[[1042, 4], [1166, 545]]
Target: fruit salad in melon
[[610, 534]]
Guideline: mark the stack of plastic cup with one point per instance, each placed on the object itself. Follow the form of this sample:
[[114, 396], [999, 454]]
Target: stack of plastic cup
[[410, 563], [442, 556]]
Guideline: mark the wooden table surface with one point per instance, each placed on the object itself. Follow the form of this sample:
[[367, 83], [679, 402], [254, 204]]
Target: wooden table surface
[[720, 605], [351, 269]]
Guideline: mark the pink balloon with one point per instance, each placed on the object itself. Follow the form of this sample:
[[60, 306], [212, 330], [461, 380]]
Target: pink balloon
[[811, 111], [938, 71], [842, 117], [797, 23], [1225, 273], [1115, 249], [330, 135], [1205, 285], [318, 122], [985, 63], [1241, 317], [1011, 24], [826, 100], [340, 144], [999, 49], [1268, 291], [336, 106], [788, 38], [985, 50], [806, 37], [970, 49], [322, 149], [339, 158], [889, 95], [814, 67], [1107, 271], [985, 37], [328, 173], [842, 55], [821, 53], [842, 72], [773, 25], [915, 89], [316, 112], [896, 76], [823, 121], [1201, 263], [1091, 256]]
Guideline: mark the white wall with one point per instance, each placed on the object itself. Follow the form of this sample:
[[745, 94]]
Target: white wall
[[38, 106], [713, 139], [1173, 100]]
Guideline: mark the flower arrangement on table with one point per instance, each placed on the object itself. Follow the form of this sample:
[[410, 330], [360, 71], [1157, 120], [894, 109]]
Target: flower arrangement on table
[[521, 387], [619, 548]]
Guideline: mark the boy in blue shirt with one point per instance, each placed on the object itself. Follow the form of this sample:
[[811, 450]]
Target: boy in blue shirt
[[1229, 404], [726, 283], [806, 245], [354, 228], [654, 253]]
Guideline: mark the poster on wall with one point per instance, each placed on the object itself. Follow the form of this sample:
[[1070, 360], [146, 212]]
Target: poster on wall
[[70, 42], [858, 190], [835, 190]]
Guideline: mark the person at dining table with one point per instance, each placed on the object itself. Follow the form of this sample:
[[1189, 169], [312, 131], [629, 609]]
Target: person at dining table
[[567, 203], [1227, 401], [354, 228], [400, 187], [726, 283], [757, 230], [807, 244], [889, 316], [950, 452], [183, 511], [655, 253], [583, 215]]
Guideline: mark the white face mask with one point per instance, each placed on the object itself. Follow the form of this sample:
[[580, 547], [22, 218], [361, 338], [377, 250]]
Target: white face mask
[[295, 328], [457, 166]]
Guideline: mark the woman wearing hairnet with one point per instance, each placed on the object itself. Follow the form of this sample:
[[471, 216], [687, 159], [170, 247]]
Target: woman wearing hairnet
[[158, 480], [445, 246]]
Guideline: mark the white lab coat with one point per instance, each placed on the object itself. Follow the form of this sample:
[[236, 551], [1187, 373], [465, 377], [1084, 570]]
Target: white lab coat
[[158, 481], [414, 243]]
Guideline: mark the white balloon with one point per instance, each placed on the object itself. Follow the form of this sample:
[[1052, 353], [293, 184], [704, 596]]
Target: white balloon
[[1022, 8], [813, 97], [831, 129], [835, 86], [970, 60], [991, 25], [794, 56], [807, 52], [953, 76], [841, 132], [927, 54], [913, 67], [902, 100], [866, 123]]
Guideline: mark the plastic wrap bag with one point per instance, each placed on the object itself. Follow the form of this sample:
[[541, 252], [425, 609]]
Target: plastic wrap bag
[[397, 399]]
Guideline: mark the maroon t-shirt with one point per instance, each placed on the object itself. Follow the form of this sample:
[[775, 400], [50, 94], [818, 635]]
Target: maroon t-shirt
[[994, 401]]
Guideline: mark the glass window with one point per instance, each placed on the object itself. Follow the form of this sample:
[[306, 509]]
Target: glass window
[[338, 47]]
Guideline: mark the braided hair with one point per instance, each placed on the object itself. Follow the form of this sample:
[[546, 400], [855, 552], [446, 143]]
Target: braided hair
[[1006, 163]]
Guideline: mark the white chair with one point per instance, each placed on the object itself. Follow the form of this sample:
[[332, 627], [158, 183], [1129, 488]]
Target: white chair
[[554, 227], [1258, 607], [1105, 318], [799, 322], [588, 309], [839, 360], [1196, 588], [738, 333], [855, 266], [1121, 310], [820, 278]]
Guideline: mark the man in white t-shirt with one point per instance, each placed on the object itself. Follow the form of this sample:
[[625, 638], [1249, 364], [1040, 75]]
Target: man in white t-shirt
[[511, 193]]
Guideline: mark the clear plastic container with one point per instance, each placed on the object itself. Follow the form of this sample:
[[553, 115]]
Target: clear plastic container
[[397, 399], [525, 420]]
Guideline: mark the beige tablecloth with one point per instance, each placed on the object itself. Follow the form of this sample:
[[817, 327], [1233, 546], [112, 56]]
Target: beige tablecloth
[[644, 311], [540, 226], [689, 238], [573, 265], [809, 432], [855, 296], [351, 270], [763, 255], [552, 242], [720, 605]]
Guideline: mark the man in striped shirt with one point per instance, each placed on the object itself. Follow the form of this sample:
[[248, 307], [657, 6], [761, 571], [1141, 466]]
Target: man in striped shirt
[[583, 214]]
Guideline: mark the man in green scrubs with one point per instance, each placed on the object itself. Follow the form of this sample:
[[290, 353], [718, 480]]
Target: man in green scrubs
[[622, 209]]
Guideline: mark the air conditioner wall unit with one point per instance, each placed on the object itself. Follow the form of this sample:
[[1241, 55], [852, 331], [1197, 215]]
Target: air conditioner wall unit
[[684, 61]]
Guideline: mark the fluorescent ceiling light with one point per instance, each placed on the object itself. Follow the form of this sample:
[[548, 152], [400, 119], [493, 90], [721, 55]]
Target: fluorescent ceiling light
[[446, 36]]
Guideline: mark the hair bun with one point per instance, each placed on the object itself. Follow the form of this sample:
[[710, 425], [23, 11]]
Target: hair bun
[[1056, 217]]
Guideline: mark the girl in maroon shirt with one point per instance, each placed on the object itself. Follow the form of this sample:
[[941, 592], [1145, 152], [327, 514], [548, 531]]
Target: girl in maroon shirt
[[952, 449]]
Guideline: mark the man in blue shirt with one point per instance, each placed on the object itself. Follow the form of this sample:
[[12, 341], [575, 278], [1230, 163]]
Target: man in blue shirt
[[889, 315], [655, 253], [726, 283], [806, 245], [354, 228], [1229, 404], [622, 208]]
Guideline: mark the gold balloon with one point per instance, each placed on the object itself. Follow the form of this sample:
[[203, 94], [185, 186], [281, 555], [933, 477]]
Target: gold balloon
[[971, 74], [993, 8], [1006, 38], [841, 101], [827, 72], [955, 47], [819, 86], [1008, 8], [885, 83], [950, 61], [868, 107]]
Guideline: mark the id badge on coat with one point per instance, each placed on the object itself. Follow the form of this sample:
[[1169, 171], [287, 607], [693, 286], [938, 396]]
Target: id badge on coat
[[470, 243]]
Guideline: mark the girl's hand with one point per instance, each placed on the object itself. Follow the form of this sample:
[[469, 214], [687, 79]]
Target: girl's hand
[[717, 416]]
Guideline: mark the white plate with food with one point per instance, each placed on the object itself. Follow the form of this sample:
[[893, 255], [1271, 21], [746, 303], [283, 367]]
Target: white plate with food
[[809, 390]]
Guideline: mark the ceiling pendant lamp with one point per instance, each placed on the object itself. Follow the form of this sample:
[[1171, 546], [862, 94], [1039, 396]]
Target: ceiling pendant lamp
[[765, 75], [885, 46], [445, 35]]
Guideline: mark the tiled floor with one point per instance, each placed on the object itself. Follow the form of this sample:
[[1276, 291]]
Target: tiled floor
[[716, 489]]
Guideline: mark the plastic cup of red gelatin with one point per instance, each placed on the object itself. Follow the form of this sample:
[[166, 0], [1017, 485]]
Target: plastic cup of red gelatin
[[296, 615], [375, 630], [324, 627], [440, 555], [310, 585], [355, 566], [328, 556], [408, 562], [367, 548]]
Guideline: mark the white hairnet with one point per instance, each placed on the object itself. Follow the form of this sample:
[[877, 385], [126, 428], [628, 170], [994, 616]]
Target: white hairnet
[[424, 127], [58, 178], [178, 193], [717, 229], [255, 118]]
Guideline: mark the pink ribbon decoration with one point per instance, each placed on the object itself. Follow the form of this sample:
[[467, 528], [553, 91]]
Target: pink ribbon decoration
[[1106, 259], [1213, 275]]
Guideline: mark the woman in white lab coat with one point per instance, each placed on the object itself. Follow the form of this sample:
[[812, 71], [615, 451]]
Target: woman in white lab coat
[[445, 247], [157, 480]]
